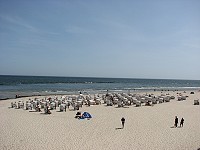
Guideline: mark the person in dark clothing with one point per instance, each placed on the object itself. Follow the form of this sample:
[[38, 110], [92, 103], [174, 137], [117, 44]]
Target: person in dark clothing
[[123, 121], [181, 123], [65, 108], [176, 121]]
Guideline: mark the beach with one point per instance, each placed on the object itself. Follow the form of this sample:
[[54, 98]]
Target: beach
[[146, 127]]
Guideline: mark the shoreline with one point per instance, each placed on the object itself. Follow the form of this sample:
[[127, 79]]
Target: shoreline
[[97, 91]]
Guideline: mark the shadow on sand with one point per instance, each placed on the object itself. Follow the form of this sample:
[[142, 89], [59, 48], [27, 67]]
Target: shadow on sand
[[122, 107], [118, 128], [60, 111], [33, 111], [177, 127], [44, 113]]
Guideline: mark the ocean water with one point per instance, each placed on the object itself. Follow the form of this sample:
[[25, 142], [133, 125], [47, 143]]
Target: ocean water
[[41, 85]]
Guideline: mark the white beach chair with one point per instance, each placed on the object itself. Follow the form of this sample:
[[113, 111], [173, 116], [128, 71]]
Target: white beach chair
[[179, 98], [172, 97], [45, 110], [92, 102], [134, 100], [43, 104], [143, 100], [18, 105], [154, 101], [115, 100], [183, 97], [28, 106], [160, 100], [52, 105], [98, 101], [138, 103], [167, 99], [108, 102], [12, 105], [120, 104], [62, 107], [196, 102]]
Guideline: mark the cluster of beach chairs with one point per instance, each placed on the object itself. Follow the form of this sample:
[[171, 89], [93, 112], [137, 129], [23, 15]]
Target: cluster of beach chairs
[[124, 99], [62, 103], [110, 99]]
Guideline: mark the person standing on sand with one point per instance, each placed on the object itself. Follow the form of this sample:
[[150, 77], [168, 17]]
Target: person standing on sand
[[176, 121], [123, 121], [181, 123]]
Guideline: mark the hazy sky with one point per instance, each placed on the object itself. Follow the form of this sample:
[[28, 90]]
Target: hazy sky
[[105, 38]]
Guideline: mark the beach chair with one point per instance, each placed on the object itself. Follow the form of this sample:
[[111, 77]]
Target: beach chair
[[179, 98], [138, 103], [160, 100], [52, 105], [43, 104], [109, 103], [134, 100], [154, 101], [143, 100], [196, 102], [62, 107], [183, 97], [18, 105], [120, 104], [97, 101], [46, 110], [172, 97], [167, 99], [12, 105], [115, 100]]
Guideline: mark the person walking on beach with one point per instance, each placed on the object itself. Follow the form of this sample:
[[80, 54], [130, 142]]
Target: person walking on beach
[[181, 123], [123, 121], [176, 121]]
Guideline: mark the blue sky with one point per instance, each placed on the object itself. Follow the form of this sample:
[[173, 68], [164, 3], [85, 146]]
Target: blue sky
[[107, 38]]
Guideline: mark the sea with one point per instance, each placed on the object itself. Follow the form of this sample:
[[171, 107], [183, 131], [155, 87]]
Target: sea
[[11, 85]]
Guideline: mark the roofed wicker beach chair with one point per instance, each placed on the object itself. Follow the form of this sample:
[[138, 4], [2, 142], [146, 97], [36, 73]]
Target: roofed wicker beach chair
[[53, 106], [167, 98], [179, 98], [120, 104], [108, 102], [154, 101], [196, 102], [183, 97], [62, 107], [161, 100], [138, 104], [28, 105]]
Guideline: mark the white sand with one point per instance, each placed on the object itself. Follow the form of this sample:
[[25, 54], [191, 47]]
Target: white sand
[[146, 127]]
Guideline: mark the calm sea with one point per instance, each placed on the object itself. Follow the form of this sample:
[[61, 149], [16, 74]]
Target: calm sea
[[41, 85]]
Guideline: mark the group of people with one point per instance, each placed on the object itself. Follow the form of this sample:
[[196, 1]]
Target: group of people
[[175, 125], [176, 122]]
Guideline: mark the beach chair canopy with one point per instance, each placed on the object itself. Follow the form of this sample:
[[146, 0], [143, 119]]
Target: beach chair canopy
[[86, 115]]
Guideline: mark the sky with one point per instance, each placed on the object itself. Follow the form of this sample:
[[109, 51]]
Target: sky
[[156, 39]]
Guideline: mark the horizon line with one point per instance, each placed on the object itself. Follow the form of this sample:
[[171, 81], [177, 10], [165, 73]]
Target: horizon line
[[96, 77]]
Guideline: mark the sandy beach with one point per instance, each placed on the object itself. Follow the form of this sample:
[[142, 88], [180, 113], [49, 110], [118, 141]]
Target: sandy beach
[[146, 127]]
